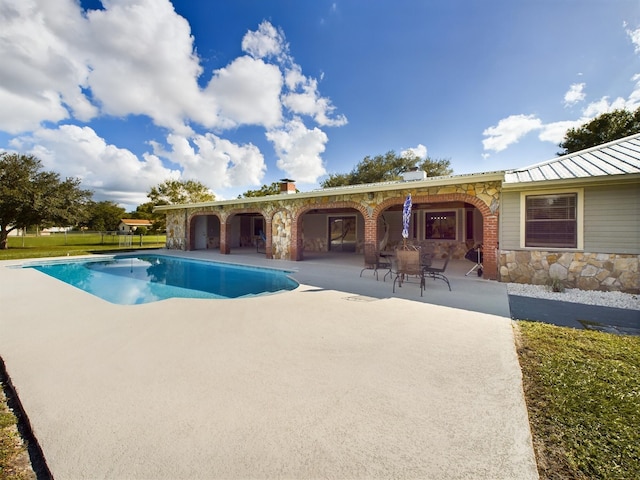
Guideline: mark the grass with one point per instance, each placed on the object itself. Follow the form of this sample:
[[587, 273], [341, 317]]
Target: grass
[[73, 244], [14, 459], [582, 390], [583, 395]]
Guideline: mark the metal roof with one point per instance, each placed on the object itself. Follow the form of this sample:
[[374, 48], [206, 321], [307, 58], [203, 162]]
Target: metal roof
[[614, 158]]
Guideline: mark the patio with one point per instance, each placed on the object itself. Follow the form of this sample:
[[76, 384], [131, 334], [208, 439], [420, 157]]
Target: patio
[[337, 379]]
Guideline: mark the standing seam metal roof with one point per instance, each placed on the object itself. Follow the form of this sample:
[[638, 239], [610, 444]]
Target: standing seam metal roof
[[614, 158]]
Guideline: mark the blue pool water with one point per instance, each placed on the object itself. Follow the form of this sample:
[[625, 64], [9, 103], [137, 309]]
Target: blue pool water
[[130, 280]]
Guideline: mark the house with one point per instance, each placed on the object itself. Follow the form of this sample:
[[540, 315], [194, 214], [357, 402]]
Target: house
[[574, 218], [130, 225]]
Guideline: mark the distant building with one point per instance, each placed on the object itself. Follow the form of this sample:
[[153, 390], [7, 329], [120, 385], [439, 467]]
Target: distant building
[[130, 225]]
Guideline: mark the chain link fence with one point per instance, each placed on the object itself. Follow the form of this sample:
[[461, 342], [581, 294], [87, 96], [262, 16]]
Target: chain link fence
[[86, 237]]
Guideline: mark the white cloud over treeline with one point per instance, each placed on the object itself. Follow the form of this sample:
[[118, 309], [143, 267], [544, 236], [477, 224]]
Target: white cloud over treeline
[[511, 129], [63, 68]]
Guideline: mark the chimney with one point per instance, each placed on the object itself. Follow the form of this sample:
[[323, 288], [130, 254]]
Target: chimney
[[287, 186]]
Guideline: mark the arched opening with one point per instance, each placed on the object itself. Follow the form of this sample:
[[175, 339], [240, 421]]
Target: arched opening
[[446, 224], [248, 230], [335, 228], [238, 230], [204, 232]]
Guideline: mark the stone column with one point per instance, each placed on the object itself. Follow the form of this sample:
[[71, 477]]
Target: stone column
[[268, 232]]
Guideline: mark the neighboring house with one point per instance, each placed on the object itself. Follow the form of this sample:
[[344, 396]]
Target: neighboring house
[[574, 218], [130, 225], [18, 232]]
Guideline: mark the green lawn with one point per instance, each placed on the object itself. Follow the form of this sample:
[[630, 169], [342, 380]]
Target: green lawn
[[56, 245], [583, 395]]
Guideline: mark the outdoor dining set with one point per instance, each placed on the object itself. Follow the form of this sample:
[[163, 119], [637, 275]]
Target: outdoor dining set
[[407, 264], [407, 261]]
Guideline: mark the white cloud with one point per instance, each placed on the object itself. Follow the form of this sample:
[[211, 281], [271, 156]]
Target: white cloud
[[575, 94], [214, 161], [603, 106], [137, 58], [21, 113], [420, 151], [267, 41], [248, 92], [634, 35], [299, 149], [509, 130], [554, 132], [142, 62], [41, 70], [111, 172], [303, 99]]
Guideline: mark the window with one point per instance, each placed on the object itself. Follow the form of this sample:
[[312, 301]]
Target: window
[[441, 225], [258, 226], [551, 220]]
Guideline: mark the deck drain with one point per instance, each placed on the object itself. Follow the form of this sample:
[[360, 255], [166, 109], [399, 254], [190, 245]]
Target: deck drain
[[360, 298]]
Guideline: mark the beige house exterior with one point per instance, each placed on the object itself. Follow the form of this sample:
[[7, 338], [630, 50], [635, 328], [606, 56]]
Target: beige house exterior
[[130, 225], [512, 214]]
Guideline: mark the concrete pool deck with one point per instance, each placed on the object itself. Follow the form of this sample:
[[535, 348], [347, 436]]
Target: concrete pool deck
[[337, 379]]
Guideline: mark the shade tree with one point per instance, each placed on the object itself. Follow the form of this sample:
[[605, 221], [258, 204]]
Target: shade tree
[[30, 196]]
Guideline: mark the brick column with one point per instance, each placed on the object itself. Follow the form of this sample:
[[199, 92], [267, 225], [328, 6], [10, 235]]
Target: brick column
[[370, 236], [297, 246], [489, 247], [225, 233]]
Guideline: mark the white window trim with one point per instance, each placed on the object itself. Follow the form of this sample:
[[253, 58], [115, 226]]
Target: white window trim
[[579, 216]]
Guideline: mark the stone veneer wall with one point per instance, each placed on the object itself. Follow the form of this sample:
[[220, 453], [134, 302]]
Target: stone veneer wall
[[176, 233], [586, 271], [283, 212], [281, 234]]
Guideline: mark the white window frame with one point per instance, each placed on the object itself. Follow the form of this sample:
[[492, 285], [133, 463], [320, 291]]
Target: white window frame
[[579, 192]]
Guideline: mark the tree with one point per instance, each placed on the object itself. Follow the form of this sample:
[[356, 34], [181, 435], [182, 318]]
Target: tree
[[29, 196], [602, 129], [387, 167], [104, 216], [265, 190], [174, 192]]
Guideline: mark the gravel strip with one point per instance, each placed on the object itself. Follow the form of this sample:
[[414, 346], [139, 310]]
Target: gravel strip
[[587, 297]]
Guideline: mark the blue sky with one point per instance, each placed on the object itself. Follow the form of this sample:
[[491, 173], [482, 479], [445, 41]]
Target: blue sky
[[236, 94]]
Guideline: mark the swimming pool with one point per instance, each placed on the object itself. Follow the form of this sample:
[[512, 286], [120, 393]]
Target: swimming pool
[[136, 279]]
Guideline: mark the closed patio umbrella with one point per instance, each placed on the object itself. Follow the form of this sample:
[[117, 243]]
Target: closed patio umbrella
[[406, 218]]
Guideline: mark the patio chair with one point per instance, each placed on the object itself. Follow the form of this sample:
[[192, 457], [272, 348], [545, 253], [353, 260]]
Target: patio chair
[[375, 262], [438, 272], [408, 265]]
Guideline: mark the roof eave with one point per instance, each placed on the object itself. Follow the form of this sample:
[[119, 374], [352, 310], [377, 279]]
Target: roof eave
[[348, 190], [602, 179]]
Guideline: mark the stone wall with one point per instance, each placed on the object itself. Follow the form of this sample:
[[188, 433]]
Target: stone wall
[[285, 213], [176, 233], [586, 271], [281, 235]]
